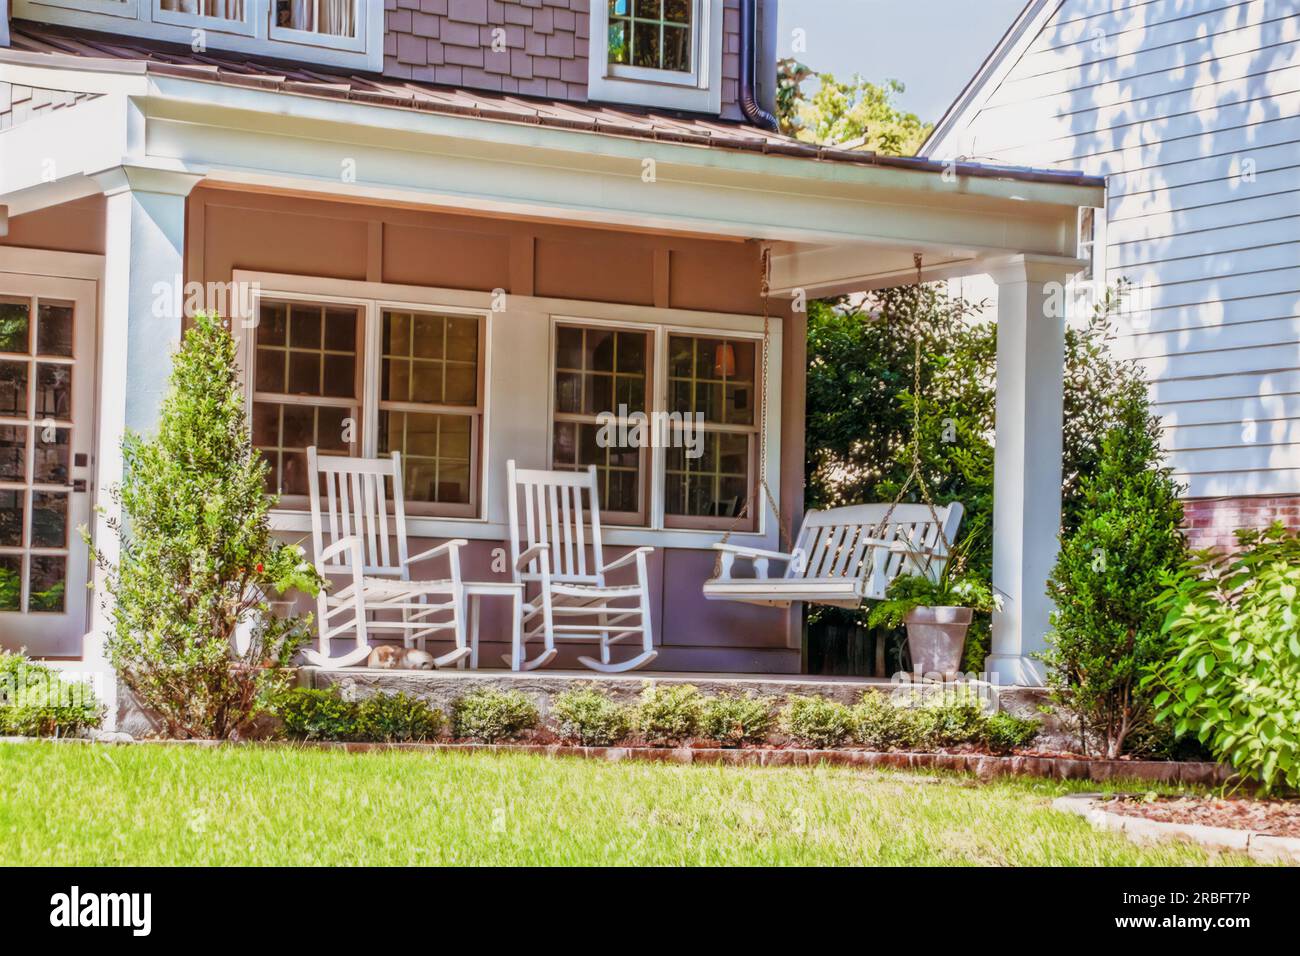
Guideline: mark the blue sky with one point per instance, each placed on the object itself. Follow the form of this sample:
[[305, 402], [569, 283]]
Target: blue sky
[[932, 46]]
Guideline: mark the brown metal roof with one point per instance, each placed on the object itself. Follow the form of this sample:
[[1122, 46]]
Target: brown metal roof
[[36, 40]]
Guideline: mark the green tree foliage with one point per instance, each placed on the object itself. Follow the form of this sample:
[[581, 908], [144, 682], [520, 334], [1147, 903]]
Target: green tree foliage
[[1231, 675], [196, 559], [1107, 629], [856, 112]]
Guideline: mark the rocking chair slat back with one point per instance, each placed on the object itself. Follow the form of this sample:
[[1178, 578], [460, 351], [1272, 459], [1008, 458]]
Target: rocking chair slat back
[[356, 503], [554, 514]]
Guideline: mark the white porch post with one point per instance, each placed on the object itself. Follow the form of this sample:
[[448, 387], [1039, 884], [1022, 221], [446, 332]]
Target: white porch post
[[1027, 461], [139, 329]]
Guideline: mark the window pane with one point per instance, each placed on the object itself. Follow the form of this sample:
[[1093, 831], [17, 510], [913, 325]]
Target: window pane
[[52, 456], [677, 49], [219, 9], [13, 389], [15, 325], [430, 359], [436, 452], [282, 433], [336, 18], [47, 586], [54, 391], [304, 327], [714, 377], [272, 323], [13, 452], [714, 484], [645, 44], [653, 34], [11, 517], [49, 519], [11, 582], [54, 330]]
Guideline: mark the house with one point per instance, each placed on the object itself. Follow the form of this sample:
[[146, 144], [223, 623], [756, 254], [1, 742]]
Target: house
[[463, 229], [1189, 109]]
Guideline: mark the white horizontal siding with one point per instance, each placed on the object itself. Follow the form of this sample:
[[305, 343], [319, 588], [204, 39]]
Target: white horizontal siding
[[1191, 108]]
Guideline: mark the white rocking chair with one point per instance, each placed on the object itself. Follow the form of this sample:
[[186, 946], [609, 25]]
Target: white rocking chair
[[842, 556], [351, 537], [573, 601]]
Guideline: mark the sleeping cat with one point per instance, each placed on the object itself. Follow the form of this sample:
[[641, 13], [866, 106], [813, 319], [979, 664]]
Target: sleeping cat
[[388, 657]]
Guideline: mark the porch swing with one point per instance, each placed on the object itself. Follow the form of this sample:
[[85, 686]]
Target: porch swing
[[842, 556]]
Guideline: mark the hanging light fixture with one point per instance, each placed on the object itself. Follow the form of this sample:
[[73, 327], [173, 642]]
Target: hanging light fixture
[[724, 360]]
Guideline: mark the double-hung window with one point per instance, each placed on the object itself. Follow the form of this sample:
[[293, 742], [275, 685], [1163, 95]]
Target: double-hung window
[[659, 53], [364, 379], [694, 436], [347, 33]]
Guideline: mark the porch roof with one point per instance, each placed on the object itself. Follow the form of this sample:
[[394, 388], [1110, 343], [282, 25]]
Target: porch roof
[[49, 44]]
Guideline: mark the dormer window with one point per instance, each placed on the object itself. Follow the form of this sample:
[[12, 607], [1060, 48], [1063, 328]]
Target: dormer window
[[346, 33], [658, 53]]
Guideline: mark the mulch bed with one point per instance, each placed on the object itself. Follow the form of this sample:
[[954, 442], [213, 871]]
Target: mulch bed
[[1274, 817]]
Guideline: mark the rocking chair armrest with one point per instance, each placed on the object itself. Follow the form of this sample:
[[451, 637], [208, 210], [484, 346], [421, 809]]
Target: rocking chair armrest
[[627, 558], [446, 546], [532, 554], [747, 552], [351, 543]]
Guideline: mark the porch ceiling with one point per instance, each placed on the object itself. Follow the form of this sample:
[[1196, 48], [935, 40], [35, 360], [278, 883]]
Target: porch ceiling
[[838, 223]]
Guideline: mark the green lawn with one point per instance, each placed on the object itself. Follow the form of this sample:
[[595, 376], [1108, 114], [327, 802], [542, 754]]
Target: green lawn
[[86, 805]]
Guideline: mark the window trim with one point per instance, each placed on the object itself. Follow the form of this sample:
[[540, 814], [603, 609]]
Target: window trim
[[257, 36], [699, 91], [369, 358]]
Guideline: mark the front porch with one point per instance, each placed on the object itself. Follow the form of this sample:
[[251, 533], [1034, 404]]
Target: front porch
[[376, 204]]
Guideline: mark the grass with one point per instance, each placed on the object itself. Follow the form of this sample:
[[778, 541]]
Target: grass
[[63, 804]]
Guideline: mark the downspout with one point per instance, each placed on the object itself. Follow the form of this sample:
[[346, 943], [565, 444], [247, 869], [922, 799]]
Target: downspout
[[749, 104]]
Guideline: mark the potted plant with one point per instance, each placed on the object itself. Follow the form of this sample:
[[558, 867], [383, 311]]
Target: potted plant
[[937, 614]]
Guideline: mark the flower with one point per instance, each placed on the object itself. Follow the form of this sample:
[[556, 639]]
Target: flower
[[260, 567]]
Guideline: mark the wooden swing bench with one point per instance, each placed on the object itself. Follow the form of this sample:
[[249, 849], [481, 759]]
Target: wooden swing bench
[[842, 556]]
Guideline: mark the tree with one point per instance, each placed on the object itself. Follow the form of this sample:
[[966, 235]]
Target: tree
[[857, 112], [1107, 628], [197, 559]]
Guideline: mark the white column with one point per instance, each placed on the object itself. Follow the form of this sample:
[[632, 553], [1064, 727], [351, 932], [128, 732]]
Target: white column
[[1027, 460], [140, 328]]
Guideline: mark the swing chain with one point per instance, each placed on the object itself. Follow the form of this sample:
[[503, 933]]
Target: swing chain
[[916, 475], [786, 543]]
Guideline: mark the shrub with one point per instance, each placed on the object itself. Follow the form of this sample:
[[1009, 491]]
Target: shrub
[[317, 714], [816, 721], [955, 720], [669, 714], [397, 718], [492, 715], [590, 718], [36, 701], [1232, 677], [733, 720], [1003, 732], [1107, 629], [879, 724], [197, 559]]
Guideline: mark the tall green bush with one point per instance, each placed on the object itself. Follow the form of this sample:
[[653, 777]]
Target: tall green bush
[[1106, 629], [196, 558], [1231, 675], [36, 701]]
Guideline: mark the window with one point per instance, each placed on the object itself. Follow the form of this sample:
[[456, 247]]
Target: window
[[309, 381], [429, 406], [713, 381], [654, 34], [658, 53], [602, 378], [331, 32], [307, 387]]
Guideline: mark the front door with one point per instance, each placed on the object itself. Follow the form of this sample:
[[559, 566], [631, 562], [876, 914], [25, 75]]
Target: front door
[[47, 349]]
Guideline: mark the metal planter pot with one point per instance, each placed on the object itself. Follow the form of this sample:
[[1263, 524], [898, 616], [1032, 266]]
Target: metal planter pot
[[936, 637]]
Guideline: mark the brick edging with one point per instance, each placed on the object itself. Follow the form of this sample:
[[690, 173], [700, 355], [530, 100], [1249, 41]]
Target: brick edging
[[984, 766], [1264, 847]]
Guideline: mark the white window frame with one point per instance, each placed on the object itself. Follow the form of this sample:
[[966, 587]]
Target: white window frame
[[255, 35], [659, 332], [699, 91], [370, 358]]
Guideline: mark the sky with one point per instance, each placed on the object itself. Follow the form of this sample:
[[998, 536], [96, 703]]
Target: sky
[[933, 46]]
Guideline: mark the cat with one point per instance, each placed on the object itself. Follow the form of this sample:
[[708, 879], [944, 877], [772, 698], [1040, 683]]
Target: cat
[[388, 657]]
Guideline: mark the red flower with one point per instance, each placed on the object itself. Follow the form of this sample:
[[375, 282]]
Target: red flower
[[260, 568]]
